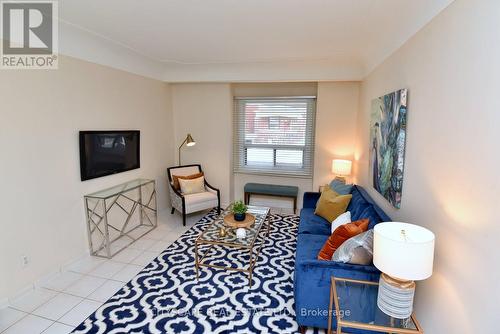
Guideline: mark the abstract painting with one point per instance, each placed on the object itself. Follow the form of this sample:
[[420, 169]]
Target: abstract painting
[[387, 144]]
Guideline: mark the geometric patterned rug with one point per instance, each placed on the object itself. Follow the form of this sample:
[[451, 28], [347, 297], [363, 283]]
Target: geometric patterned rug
[[166, 297]]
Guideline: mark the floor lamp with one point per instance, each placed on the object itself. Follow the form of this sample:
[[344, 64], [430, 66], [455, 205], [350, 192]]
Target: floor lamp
[[189, 141]]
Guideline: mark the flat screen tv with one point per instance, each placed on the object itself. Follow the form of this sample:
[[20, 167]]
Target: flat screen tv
[[108, 152]]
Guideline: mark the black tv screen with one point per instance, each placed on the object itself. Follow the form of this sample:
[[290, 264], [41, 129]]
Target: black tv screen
[[108, 152]]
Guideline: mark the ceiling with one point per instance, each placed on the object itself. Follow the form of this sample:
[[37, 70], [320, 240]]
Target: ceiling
[[186, 35]]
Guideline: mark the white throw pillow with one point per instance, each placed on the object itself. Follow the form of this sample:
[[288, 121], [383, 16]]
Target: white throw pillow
[[192, 186], [344, 218]]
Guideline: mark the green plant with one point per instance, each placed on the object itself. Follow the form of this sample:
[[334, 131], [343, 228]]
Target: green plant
[[239, 207]]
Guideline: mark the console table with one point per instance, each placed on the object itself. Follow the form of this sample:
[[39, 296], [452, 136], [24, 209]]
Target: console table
[[118, 216]]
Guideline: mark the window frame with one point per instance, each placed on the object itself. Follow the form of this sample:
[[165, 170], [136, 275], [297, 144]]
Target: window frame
[[240, 150]]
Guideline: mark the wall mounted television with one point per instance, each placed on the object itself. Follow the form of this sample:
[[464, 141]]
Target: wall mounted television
[[108, 152]]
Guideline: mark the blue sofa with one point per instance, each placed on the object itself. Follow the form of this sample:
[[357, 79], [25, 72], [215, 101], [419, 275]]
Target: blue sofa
[[312, 276]]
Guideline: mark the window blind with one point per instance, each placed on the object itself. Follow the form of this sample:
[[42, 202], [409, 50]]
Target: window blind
[[274, 135]]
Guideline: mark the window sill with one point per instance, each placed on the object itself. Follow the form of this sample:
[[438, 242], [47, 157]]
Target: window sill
[[276, 174]]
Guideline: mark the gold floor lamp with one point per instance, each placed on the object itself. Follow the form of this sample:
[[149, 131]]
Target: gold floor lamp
[[189, 141]]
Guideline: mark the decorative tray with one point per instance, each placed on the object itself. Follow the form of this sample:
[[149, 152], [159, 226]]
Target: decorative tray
[[229, 221]]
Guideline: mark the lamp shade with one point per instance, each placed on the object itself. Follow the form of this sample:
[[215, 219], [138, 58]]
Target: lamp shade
[[403, 251], [341, 167], [189, 140]]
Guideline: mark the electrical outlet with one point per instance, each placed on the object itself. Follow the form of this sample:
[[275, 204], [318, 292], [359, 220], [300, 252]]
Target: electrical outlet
[[25, 260]]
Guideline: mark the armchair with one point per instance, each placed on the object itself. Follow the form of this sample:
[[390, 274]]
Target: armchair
[[186, 204]]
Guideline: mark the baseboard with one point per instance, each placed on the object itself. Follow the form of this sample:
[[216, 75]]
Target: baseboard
[[64, 267], [21, 292], [68, 264]]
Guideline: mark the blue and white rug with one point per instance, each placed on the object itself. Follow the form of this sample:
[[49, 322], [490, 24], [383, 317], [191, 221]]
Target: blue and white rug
[[165, 296]]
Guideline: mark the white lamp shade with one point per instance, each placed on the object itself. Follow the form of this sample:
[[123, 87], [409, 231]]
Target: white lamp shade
[[403, 251], [341, 167]]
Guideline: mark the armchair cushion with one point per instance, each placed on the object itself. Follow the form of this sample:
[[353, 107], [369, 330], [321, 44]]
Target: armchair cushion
[[192, 186], [175, 179], [200, 201]]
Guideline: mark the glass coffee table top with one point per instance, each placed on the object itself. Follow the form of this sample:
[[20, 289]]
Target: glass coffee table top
[[356, 304], [212, 233]]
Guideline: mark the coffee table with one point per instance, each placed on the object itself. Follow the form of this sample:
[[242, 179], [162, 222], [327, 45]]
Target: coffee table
[[252, 243], [345, 297]]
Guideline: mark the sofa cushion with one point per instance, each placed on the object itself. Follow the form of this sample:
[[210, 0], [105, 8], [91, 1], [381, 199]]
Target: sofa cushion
[[356, 250], [357, 204], [308, 246], [331, 205], [362, 199], [344, 218], [339, 236], [312, 224], [370, 213], [340, 187]]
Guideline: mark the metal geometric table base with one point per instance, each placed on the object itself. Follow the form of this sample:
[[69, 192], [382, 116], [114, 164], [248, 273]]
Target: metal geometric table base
[[110, 231]]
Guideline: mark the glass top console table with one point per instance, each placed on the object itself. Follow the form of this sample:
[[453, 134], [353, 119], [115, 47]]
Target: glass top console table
[[118, 216]]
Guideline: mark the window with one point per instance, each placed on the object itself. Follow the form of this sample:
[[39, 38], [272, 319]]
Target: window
[[274, 135]]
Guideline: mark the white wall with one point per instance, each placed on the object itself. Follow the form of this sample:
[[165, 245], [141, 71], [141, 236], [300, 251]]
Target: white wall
[[336, 115], [205, 111], [42, 195], [451, 183]]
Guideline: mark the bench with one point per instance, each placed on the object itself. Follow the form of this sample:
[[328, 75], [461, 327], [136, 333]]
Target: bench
[[271, 190]]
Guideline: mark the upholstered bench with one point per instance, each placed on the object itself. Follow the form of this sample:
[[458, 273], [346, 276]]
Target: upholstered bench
[[271, 190]]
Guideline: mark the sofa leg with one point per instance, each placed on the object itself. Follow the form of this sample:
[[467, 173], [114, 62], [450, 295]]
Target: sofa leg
[[172, 211], [218, 210], [184, 219]]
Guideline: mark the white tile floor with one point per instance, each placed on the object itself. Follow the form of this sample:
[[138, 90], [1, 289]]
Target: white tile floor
[[64, 301]]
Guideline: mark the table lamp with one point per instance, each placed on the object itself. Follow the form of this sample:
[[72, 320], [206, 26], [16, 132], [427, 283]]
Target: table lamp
[[341, 168], [403, 253], [189, 141]]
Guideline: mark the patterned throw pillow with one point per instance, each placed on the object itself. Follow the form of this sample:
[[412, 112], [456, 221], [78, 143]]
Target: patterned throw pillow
[[193, 186], [331, 205], [341, 234], [175, 179]]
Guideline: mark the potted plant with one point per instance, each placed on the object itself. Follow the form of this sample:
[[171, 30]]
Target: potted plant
[[239, 210]]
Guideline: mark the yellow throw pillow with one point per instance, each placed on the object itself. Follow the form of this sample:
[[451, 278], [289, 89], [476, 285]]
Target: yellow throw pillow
[[331, 205], [192, 186]]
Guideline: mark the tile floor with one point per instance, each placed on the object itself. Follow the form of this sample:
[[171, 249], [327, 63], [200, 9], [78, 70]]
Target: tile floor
[[68, 298]]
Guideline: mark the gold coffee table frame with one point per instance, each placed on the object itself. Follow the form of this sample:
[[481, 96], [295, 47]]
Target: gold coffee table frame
[[334, 300], [210, 236]]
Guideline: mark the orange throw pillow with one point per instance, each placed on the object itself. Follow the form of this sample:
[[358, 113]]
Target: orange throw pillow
[[175, 179], [341, 234]]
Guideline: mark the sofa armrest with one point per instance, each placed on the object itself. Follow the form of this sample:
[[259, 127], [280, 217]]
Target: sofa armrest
[[312, 289], [310, 199], [333, 265]]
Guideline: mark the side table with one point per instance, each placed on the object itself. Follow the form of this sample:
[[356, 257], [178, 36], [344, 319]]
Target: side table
[[354, 304]]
